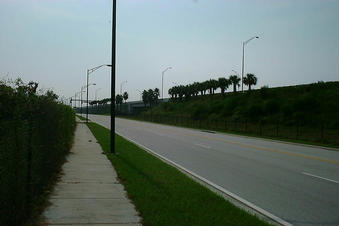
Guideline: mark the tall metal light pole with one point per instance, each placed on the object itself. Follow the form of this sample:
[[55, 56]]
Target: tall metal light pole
[[82, 90], [114, 20], [121, 86], [243, 61], [89, 71], [162, 82]]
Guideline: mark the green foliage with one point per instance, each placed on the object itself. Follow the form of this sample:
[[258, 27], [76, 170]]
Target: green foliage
[[150, 96], [36, 133], [250, 80], [125, 96], [304, 104]]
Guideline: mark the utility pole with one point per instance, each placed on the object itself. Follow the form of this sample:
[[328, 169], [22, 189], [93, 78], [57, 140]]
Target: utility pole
[[114, 17]]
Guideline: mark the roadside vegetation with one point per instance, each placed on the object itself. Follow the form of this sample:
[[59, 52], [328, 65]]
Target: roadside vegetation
[[36, 133], [162, 194], [305, 112], [82, 118]]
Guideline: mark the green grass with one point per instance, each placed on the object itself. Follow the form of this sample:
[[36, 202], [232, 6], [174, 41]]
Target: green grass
[[82, 118], [162, 194]]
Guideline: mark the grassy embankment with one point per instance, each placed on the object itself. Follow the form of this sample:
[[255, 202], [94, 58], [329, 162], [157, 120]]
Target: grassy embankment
[[162, 194], [305, 113]]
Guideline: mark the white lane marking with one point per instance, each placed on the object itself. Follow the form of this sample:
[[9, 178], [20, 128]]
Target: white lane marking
[[234, 196], [203, 146], [312, 175]]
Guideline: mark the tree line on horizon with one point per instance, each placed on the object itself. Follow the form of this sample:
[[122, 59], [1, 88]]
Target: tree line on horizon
[[151, 96], [178, 92]]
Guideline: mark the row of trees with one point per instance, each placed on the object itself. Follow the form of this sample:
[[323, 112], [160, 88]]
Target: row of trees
[[210, 86], [150, 96], [118, 100]]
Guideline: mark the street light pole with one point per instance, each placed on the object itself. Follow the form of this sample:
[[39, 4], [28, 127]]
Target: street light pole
[[162, 82], [89, 71], [243, 61], [82, 90], [114, 17]]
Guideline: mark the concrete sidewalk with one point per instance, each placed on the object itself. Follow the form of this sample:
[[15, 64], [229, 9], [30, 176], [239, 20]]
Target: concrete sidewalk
[[89, 192]]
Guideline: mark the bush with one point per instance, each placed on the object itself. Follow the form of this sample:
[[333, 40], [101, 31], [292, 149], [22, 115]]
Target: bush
[[36, 133]]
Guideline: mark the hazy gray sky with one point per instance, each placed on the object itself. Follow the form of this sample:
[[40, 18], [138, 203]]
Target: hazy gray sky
[[55, 41]]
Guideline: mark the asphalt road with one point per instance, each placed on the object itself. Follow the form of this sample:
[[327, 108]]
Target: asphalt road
[[299, 184]]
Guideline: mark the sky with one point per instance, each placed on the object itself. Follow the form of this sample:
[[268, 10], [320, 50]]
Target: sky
[[54, 42]]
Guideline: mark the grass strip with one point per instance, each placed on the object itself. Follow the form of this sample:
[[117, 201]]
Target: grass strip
[[240, 133], [82, 118], [162, 194]]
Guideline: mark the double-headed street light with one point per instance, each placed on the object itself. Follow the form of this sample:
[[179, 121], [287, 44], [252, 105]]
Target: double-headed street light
[[89, 71], [162, 81], [243, 61]]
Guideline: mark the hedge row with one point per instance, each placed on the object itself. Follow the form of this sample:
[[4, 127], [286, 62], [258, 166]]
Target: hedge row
[[36, 133]]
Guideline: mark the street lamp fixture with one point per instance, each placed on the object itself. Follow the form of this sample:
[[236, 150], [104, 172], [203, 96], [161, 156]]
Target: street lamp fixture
[[89, 71], [243, 61], [162, 81]]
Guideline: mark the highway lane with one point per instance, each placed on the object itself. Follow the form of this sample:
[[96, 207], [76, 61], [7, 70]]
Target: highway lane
[[299, 184]]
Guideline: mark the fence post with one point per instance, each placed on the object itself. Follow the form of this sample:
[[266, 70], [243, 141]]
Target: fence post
[[277, 128]]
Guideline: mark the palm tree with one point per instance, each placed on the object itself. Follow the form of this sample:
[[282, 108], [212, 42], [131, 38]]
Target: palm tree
[[201, 88], [195, 88], [181, 91], [214, 85], [125, 96], [234, 79], [175, 91], [118, 100], [249, 80], [145, 97], [223, 84], [171, 92], [155, 96]]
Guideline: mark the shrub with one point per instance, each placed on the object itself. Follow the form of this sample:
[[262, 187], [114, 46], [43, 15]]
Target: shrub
[[36, 133]]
